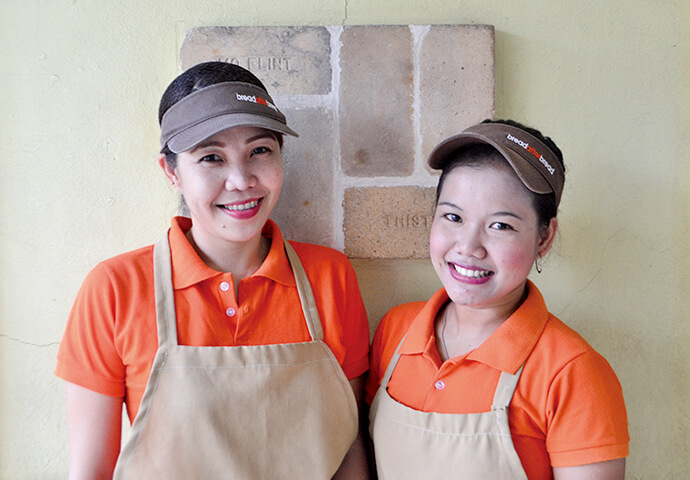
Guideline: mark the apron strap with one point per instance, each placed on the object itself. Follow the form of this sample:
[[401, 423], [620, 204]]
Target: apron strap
[[306, 296], [166, 319], [392, 364], [505, 389]]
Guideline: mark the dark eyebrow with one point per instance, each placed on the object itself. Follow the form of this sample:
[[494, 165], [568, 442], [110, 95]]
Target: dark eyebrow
[[449, 204], [495, 214], [206, 144], [216, 143], [507, 214], [259, 136]]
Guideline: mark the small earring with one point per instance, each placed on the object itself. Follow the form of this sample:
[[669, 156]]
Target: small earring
[[539, 263]]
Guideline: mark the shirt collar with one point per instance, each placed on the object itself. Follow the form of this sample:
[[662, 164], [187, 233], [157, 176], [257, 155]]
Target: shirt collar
[[506, 349], [189, 269]]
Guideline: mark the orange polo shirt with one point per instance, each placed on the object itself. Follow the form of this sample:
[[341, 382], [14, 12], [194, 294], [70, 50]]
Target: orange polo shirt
[[111, 337], [567, 409]]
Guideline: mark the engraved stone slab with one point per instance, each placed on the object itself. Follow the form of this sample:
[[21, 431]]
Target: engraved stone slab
[[376, 95], [305, 208], [388, 222], [288, 60], [400, 90], [456, 80]]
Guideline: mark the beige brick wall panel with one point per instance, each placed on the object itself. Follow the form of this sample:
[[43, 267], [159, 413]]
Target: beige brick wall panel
[[376, 94], [388, 222], [306, 207], [456, 80], [289, 60]]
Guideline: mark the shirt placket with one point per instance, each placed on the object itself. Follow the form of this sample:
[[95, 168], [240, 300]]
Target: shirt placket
[[228, 303]]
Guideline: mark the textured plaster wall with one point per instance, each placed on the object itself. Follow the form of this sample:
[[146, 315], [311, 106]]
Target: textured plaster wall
[[608, 80]]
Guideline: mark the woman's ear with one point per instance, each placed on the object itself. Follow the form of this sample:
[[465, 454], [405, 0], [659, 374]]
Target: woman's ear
[[547, 237], [169, 172]]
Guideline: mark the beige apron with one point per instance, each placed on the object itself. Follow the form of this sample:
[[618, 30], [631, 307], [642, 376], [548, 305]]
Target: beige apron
[[410, 444], [245, 412]]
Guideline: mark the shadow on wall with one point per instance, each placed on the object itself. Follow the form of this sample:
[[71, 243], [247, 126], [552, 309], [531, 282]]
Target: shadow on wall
[[387, 283]]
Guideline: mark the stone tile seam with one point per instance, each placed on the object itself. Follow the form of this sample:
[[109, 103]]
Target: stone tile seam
[[418, 34], [338, 174]]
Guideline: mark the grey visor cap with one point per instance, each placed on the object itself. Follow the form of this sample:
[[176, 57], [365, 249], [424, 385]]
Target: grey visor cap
[[210, 110], [534, 163]]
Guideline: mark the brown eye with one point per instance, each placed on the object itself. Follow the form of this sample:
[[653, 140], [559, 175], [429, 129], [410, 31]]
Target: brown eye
[[501, 226], [260, 150], [211, 158]]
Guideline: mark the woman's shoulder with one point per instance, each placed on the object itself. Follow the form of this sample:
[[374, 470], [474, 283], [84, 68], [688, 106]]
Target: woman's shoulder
[[561, 349], [316, 252], [397, 321], [126, 270], [322, 261], [131, 261]]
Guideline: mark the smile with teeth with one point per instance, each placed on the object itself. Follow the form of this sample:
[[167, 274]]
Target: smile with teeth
[[472, 273], [241, 206]]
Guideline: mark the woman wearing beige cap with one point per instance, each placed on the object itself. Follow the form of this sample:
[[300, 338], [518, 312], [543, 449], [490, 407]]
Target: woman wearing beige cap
[[237, 354], [481, 381]]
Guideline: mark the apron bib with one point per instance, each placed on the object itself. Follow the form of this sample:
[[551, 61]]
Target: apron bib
[[255, 412], [410, 444]]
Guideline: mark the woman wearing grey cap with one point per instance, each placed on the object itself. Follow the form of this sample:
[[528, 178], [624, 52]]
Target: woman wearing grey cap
[[237, 354], [481, 381]]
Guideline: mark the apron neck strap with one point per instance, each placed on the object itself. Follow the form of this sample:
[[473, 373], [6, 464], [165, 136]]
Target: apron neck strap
[[166, 318], [505, 389], [507, 383], [392, 364], [306, 295]]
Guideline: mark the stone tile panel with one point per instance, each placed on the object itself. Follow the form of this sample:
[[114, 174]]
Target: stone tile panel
[[306, 206], [288, 60], [376, 95], [456, 80], [388, 222]]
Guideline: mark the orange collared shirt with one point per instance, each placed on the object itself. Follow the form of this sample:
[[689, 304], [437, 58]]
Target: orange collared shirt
[[111, 337], [567, 409]]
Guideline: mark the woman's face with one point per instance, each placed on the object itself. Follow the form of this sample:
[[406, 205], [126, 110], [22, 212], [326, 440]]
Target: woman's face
[[230, 182], [485, 237]]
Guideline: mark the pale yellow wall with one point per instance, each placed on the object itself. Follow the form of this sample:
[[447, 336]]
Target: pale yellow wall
[[609, 80]]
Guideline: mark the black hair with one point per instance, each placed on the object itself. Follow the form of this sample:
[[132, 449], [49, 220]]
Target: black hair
[[201, 76], [482, 154]]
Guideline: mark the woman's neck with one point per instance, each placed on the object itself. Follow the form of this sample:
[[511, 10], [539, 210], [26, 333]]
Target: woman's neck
[[241, 259], [461, 329]]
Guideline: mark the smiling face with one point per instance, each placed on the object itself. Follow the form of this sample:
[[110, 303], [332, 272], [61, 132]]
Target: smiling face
[[485, 237], [230, 182]]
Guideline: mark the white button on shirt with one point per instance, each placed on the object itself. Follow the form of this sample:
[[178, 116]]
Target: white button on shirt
[[230, 312], [440, 385], [225, 286]]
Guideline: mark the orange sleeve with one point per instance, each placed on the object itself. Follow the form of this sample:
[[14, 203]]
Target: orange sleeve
[[341, 308], [355, 328], [587, 420], [87, 355]]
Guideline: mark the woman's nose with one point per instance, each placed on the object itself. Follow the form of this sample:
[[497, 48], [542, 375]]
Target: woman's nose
[[470, 242], [239, 177]]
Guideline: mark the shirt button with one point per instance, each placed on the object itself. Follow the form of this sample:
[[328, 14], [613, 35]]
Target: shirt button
[[440, 385], [225, 286], [230, 312]]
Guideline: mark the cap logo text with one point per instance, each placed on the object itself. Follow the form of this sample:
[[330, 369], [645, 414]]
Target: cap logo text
[[255, 99], [533, 151]]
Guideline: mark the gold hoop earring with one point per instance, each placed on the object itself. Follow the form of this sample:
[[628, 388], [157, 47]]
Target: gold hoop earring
[[539, 263]]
